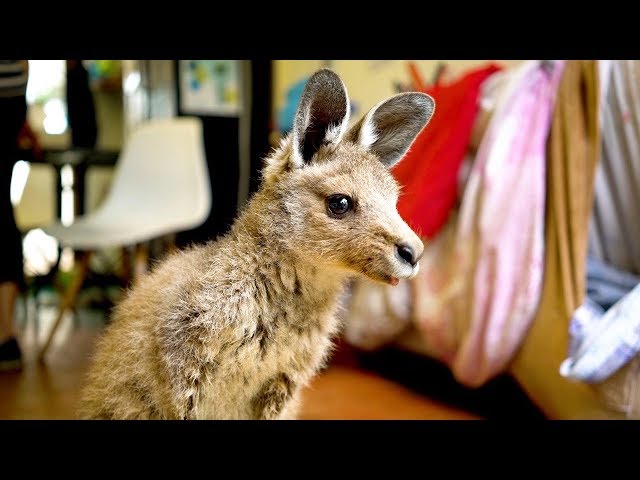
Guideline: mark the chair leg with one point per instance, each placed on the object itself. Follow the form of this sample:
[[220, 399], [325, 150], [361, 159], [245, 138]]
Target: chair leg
[[141, 261], [68, 299], [125, 272]]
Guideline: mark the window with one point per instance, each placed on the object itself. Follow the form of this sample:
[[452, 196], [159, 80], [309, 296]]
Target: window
[[46, 96]]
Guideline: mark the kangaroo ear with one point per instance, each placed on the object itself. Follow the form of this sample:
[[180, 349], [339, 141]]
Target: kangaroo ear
[[389, 128], [322, 115]]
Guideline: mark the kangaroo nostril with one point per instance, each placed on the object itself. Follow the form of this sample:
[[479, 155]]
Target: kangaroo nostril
[[406, 253]]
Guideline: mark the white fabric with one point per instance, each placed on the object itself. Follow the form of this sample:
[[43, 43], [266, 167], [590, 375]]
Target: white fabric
[[606, 341]]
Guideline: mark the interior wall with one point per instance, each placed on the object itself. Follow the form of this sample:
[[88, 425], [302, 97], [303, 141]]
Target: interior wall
[[367, 81], [110, 119]]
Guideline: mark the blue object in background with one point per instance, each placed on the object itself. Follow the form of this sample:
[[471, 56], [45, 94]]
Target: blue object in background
[[288, 112], [606, 284]]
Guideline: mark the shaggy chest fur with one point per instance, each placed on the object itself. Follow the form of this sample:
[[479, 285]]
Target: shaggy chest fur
[[215, 334], [274, 347]]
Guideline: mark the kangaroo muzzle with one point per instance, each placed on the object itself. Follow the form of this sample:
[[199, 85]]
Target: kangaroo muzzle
[[407, 252]]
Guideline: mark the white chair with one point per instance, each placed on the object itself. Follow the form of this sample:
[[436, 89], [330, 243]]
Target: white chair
[[160, 186]]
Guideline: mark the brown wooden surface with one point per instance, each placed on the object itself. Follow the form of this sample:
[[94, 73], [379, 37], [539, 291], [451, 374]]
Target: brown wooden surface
[[343, 391]]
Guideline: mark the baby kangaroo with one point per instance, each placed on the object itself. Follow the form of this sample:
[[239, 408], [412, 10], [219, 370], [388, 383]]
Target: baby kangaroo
[[235, 328]]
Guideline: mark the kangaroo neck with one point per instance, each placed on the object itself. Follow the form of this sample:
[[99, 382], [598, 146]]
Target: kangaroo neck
[[260, 236]]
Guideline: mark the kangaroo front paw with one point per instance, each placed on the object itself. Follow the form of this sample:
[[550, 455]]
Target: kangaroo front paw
[[271, 399]]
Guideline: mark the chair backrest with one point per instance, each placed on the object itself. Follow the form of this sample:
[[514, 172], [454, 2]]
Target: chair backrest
[[37, 204], [161, 178]]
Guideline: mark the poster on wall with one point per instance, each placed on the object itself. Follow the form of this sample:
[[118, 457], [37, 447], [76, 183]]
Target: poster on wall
[[210, 87]]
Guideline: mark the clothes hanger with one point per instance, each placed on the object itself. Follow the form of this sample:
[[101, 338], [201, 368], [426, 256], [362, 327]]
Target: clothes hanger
[[440, 70], [416, 77]]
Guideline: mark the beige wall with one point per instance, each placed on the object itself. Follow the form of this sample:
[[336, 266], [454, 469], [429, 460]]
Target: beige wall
[[367, 81], [110, 119]]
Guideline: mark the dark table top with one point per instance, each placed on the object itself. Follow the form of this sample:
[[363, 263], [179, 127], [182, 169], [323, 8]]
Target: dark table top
[[73, 157]]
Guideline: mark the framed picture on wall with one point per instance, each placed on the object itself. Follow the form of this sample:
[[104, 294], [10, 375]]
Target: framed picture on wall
[[210, 87]]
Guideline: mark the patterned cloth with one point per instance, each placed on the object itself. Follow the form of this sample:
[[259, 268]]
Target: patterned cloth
[[429, 171], [602, 342], [485, 298], [605, 339], [572, 155]]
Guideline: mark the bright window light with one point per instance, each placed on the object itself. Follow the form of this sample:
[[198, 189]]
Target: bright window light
[[19, 180], [47, 79], [131, 83], [40, 252], [46, 95], [55, 119], [67, 210]]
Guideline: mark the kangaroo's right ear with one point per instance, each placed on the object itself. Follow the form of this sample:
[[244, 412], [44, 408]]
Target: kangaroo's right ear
[[390, 127], [322, 116]]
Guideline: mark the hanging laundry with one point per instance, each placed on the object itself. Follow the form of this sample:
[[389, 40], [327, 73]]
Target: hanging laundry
[[605, 329], [429, 171], [614, 229], [573, 146], [603, 341], [592, 356], [429, 178], [487, 305]]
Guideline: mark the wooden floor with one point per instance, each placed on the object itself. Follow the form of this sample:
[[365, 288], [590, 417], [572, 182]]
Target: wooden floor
[[50, 391]]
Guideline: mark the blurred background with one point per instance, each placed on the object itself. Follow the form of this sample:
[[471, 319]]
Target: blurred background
[[524, 186]]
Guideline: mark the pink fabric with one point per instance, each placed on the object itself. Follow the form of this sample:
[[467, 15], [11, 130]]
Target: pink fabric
[[489, 282]]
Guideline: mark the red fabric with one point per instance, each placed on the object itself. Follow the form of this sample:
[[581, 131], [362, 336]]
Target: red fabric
[[429, 171]]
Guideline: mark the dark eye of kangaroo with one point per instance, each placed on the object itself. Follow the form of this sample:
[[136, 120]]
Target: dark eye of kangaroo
[[338, 205]]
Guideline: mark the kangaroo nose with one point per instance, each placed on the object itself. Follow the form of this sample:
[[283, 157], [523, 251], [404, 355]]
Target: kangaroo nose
[[406, 253]]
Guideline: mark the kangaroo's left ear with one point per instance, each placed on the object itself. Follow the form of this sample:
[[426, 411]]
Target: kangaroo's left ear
[[322, 115], [389, 128]]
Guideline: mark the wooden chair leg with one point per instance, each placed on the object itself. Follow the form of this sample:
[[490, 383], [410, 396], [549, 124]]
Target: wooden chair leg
[[68, 299], [141, 261], [169, 245], [126, 270]]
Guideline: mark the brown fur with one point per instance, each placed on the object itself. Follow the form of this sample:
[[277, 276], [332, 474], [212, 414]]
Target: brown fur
[[233, 329]]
